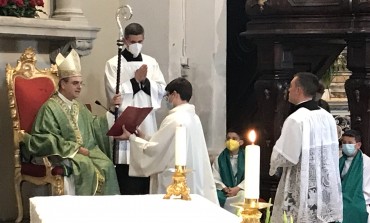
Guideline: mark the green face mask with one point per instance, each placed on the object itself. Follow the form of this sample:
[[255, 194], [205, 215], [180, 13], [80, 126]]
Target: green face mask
[[232, 144]]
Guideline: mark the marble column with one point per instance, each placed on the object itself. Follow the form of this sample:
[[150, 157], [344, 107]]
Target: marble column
[[69, 10]]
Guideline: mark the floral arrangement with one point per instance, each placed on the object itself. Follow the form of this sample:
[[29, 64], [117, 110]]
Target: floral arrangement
[[21, 8]]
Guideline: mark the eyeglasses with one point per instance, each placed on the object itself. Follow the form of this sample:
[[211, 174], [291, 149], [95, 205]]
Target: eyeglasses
[[167, 95]]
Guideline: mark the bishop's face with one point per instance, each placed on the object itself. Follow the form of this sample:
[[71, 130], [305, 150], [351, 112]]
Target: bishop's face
[[71, 87]]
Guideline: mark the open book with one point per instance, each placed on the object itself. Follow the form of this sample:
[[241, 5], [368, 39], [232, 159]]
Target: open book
[[131, 117]]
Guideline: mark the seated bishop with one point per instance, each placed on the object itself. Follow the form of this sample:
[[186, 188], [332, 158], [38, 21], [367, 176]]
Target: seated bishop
[[67, 132]]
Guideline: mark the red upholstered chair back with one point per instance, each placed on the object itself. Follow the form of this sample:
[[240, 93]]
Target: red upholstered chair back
[[29, 88], [30, 95]]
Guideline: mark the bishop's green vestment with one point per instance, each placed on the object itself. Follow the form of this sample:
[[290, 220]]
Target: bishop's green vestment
[[60, 130]]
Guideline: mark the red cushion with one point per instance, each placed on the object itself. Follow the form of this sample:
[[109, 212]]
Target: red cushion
[[39, 170], [30, 94]]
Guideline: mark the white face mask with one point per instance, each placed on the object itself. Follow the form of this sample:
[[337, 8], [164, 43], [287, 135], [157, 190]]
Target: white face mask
[[135, 49]]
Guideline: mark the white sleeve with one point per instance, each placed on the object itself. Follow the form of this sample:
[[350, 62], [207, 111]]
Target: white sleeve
[[155, 155], [216, 175]]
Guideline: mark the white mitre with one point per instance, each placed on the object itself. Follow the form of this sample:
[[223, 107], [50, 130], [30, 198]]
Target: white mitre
[[68, 66]]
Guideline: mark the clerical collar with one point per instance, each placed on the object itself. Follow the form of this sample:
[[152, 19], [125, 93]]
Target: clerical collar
[[129, 57], [65, 100], [310, 105]]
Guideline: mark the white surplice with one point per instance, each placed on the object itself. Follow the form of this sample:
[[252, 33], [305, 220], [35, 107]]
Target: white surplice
[[156, 157], [365, 178], [310, 185], [239, 197], [140, 99]]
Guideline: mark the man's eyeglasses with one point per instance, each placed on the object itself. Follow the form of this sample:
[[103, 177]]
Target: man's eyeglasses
[[167, 95]]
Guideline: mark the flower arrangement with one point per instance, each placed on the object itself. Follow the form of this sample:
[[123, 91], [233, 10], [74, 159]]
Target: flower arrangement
[[21, 8]]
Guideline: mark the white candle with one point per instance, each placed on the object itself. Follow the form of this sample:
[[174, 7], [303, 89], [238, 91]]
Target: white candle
[[252, 169], [180, 146]]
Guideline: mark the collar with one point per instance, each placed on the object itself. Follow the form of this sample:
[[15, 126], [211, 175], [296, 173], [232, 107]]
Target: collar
[[310, 105], [129, 57], [65, 100]]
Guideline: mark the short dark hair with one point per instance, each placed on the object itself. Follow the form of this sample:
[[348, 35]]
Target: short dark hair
[[353, 133], [134, 29], [66, 79], [235, 130], [308, 82], [182, 87]]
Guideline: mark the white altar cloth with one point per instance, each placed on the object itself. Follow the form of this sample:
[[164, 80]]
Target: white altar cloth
[[128, 209]]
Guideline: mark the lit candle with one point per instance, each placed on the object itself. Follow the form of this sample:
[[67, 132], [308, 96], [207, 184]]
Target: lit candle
[[252, 169], [180, 146]]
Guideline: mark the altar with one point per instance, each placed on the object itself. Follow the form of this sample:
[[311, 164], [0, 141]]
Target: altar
[[126, 208]]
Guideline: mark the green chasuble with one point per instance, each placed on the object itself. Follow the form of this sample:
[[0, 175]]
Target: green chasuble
[[226, 172], [61, 131], [354, 206]]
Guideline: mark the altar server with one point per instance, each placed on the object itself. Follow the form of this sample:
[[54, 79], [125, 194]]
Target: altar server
[[155, 156], [228, 171], [354, 166], [141, 85]]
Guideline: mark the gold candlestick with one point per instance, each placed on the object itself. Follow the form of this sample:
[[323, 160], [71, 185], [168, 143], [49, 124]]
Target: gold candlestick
[[178, 187], [251, 213]]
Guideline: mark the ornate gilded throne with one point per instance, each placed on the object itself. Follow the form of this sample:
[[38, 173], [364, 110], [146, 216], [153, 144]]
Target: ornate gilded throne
[[28, 88]]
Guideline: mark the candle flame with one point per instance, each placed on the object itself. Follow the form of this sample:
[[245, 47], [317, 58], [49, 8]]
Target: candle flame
[[252, 136]]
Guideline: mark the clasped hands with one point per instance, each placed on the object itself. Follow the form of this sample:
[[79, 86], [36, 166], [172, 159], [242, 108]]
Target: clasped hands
[[231, 191], [140, 74]]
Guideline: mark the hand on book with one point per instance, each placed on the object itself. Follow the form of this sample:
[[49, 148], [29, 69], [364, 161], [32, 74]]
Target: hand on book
[[125, 135]]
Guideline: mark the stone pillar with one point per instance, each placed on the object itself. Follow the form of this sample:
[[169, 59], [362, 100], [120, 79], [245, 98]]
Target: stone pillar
[[358, 87], [68, 10]]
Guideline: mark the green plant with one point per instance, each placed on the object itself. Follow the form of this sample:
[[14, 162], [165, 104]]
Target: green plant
[[339, 65], [21, 8]]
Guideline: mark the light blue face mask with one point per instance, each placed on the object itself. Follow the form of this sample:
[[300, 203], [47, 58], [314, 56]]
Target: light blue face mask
[[348, 149]]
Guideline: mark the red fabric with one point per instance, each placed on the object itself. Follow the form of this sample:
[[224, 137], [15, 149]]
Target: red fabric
[[39, 170], [30, 94]]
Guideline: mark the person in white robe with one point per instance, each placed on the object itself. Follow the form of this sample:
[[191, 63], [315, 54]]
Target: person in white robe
[[307, 151], [354, 167], [141, 85], [155, 156], [228, 172]]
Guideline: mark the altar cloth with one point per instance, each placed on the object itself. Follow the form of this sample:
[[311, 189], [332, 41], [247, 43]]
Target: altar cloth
[[127, 208]]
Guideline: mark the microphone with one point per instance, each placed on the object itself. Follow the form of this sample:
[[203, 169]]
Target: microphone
[[98, 103]]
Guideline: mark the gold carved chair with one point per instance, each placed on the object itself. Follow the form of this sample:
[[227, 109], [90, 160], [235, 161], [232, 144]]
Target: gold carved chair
[[28, 89]]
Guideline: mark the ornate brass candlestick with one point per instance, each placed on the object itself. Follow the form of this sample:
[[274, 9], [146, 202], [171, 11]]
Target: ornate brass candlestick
[[250, 213], [178, 187]]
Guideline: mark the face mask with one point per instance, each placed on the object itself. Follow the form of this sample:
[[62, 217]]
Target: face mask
[[348, 149], [169, 105], [135, 49], [232, 144]]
